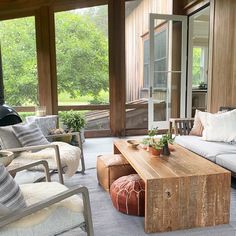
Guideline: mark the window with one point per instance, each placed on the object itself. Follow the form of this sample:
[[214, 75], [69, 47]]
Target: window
[[82, 63], [18, 50], [160, 54], [199, 70]]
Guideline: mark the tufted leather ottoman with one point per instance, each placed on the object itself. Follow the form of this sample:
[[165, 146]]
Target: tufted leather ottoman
[[128, 195], [111, 167]]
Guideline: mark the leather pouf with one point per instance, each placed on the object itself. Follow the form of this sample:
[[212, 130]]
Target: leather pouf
[[128, 195], [110, 167]]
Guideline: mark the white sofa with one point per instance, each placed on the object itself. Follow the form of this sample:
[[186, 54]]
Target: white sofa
[[223, 154]]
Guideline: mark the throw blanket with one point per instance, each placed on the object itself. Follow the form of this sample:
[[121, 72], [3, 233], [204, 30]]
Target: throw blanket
[[70, 157], [34, 193]]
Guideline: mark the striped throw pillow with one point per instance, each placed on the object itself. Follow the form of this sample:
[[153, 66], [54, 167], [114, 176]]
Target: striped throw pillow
[[11, 198], [29, 134]]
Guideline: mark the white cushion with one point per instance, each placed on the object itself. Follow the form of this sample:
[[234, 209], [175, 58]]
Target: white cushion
[[228, 161], [220, 127], [69, 154], [48, 221], [203, 148]]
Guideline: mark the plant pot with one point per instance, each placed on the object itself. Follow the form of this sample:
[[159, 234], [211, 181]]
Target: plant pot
[[166, 151], [155, 152], [64, 138]]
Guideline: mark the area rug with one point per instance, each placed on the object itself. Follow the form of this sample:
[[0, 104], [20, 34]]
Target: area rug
[[109, 222]]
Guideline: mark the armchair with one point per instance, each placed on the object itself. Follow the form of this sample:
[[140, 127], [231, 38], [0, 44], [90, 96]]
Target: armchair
[[60, 156], [63, 210]]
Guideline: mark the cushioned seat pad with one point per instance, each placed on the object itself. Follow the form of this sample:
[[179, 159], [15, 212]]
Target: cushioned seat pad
[[48, 221], [209, 150], [227, 161]]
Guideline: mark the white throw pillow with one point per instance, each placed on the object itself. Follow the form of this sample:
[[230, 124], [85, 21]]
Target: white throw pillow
[[199, 123], [220, 127]]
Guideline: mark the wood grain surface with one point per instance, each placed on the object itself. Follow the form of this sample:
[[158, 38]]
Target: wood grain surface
[[183, 190]]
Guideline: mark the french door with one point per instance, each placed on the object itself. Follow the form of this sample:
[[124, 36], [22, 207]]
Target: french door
[[167, 69]]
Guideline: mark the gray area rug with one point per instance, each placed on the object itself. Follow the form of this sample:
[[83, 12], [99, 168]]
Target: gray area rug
[[106, 219], [109, 222]]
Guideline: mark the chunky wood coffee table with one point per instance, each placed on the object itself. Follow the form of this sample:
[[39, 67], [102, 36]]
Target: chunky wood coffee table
[[183, 190]]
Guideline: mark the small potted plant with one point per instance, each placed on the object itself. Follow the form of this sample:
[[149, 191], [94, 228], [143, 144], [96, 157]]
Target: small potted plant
[[156, 148], [150, 143], [74, 121], [164, 141]]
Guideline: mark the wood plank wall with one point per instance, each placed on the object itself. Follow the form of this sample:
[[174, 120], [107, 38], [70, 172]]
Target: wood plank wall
[[136, 27], [223, 68]]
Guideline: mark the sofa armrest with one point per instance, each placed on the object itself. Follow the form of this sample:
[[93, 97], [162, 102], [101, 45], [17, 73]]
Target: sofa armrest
[[40, 147], [16, 215], [36, 163]]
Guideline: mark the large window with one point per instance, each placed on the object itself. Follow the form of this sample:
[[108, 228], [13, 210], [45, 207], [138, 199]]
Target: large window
[[82, 56], [160, 79], [82, 62], [18, 50]]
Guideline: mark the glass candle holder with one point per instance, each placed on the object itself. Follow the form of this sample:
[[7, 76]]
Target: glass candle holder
[[40, 111]]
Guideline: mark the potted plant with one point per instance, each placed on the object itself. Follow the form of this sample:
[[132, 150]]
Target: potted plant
[[150, 143], [156, 148], [74, 121], [164, 141]]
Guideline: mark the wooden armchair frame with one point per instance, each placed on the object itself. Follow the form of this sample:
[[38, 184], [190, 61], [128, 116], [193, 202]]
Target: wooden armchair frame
[[16, 215], [181, 126]]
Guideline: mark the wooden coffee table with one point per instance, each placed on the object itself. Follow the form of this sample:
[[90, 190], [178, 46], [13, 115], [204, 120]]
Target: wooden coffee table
[[183, 190]]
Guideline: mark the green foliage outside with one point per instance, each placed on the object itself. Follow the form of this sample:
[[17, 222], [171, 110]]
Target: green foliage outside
[[19, 61], [82, 58], [196, 71]]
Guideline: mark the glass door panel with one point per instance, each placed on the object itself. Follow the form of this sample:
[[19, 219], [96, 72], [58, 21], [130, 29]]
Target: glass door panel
[[167, 70]]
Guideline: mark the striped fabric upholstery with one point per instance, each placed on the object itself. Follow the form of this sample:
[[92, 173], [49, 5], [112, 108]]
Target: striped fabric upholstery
[[11, 197], [29, 134]]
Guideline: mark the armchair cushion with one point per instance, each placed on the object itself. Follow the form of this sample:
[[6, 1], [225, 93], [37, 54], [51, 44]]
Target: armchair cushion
[[7, 138], [52, 220], [11, 197], [70, 157], [29, 134]]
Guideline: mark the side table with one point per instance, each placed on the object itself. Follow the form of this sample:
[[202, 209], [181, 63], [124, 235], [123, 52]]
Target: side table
[[75, 141]]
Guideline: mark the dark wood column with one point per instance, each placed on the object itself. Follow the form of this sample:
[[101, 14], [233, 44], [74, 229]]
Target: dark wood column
[[46, 58], [116, 16]]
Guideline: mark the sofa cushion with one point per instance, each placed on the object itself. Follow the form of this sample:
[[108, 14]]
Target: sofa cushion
[[203, 148], [220, 127], [199, 123], [227, 161]]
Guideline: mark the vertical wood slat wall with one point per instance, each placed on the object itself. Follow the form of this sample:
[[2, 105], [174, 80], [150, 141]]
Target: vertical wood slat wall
[[46, 54], [223, 68]]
